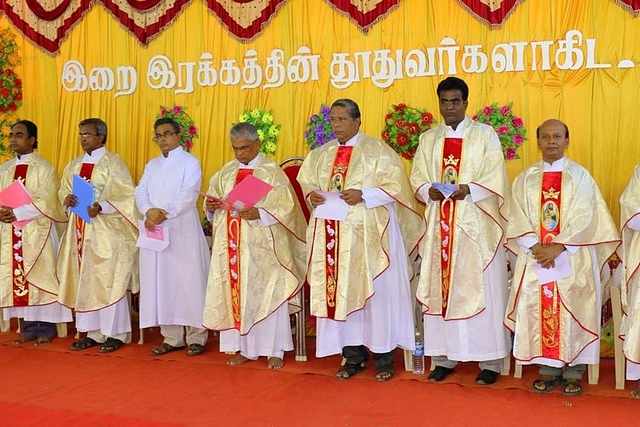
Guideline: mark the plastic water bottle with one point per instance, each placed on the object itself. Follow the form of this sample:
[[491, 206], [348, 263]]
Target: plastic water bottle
[[418, 355]]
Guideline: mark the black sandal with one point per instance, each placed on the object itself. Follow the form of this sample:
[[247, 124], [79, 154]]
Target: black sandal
[[385, 372], [111, 344], [348, 370], [84, 344]]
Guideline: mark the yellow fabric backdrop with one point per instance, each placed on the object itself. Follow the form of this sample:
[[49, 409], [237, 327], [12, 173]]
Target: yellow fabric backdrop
[[600, 106]]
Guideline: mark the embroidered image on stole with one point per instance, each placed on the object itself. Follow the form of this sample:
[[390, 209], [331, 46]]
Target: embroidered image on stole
[[332, 229], [20, 283], [451, 163], [234, 226], [549, 228]]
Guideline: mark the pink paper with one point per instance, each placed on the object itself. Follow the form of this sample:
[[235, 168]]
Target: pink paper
[[16, 195], [249, 192], [157, 233]]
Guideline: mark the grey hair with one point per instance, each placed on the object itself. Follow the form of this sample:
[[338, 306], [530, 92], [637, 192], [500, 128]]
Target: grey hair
[[245, 131]]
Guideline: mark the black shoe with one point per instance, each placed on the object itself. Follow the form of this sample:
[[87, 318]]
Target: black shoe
[[440, 373], [486, 377]]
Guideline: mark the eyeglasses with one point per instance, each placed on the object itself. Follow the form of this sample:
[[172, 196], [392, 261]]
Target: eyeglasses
[[159, 136], [451, 102], [85, 135], [244, 148]]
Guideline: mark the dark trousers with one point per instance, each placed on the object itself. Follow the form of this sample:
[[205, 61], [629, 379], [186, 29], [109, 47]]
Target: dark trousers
[[32, 330], [358, 354]]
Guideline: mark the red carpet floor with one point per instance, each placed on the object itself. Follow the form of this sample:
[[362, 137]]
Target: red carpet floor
[[52, 386]]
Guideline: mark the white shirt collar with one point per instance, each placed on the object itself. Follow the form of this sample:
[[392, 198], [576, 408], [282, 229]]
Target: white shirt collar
[[252, 164], [353, 141], [553, 167], [95, 155], [23, 158], [457, 133]]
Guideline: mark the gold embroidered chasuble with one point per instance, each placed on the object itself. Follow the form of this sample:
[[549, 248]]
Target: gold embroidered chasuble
[[364, 240], [478, 228], [38, 251], [587, 224], [271, 259], [109, 254], [630, 255]]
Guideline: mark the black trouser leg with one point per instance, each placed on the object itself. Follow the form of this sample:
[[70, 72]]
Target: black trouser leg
[[355, 354], [32, 330], [382, 359]]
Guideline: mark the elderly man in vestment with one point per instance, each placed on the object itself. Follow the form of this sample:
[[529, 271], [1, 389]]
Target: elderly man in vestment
[[358, 267], [630, 287], [97, 260], [28, 246], [173, 279], [258, 257], [463, 279], [555, 304]]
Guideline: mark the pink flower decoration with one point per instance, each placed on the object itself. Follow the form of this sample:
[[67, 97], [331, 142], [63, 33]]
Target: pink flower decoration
[[192, 130], [475, 117], [163, 112], [188, 145], [511, 154], [504, 129], [504, 110], [517, 122], [518, 140], [177, 109], [487, 111]]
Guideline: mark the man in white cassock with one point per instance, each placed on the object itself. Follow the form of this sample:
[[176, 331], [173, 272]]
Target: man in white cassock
[[463, 278], [258, 253], [97, 261], [358, 268], [563, 234], [173, 279], [29, 241]]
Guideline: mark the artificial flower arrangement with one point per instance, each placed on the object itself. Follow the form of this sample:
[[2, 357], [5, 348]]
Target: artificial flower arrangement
[[319, 131], [10, 86], [267, 131], [188, 130], [509, 127], [403, 126]]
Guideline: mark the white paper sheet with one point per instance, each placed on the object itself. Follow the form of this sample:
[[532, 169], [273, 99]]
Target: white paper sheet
[[333, 207], [562, 270]]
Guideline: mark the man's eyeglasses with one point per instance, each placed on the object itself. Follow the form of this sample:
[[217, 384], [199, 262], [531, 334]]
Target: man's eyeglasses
[[159, 136], [451, 102], [85, 135], [243, 149]]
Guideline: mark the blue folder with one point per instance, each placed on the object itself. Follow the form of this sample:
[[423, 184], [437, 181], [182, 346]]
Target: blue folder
[[86, 195]]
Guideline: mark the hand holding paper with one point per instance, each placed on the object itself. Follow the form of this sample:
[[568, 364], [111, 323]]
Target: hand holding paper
[[15, 195]]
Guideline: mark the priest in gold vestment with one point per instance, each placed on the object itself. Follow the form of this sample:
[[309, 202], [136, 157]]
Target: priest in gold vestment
[[463, 278], [358, 267], [258, 257], [562, 233], [97, 262], [630, 289], [29, 241]]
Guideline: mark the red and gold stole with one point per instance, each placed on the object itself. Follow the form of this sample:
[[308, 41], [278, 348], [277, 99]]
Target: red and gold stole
[[86, 170], [20, 283], [451, 163], [332, 229], [550, 208], [234, 225]]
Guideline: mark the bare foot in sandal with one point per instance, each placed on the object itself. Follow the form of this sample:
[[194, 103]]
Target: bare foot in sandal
[[237, 360], [348, 370], [275, 363], [636, 393]]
